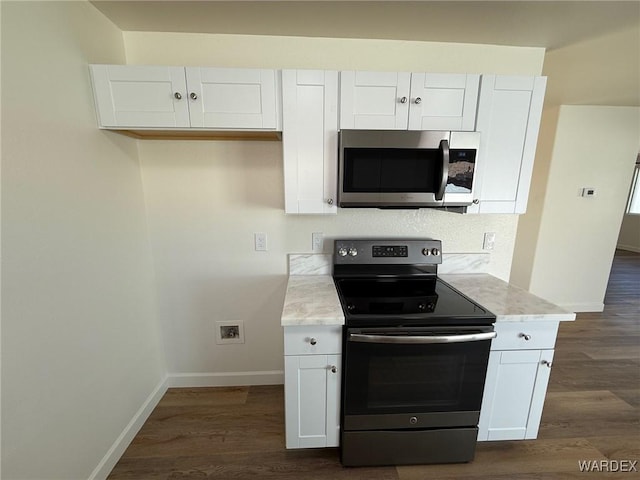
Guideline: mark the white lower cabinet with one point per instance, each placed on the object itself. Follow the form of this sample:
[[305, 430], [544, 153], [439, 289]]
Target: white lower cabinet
[[312, 366], [517, 378]]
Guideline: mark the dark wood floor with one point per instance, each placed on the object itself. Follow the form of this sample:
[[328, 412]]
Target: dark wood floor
[[592, 412]]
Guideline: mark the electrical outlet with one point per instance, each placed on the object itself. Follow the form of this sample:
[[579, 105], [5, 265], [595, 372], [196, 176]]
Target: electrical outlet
[[260, 241], [489, 241], [229, 332], [317, 240]]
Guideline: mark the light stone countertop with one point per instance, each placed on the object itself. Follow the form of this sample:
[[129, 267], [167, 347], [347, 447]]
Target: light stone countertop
[[508, 302], [313, 300]]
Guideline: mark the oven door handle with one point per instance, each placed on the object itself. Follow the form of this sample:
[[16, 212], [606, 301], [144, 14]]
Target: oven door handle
[[407, 339]]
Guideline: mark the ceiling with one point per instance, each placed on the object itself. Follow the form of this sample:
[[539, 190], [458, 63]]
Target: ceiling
[[547, 24]]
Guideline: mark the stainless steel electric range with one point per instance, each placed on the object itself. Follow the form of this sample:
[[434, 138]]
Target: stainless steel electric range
[[415, 356]]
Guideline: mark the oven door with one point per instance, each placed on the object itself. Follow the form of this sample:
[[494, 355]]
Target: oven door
[[414, 378]]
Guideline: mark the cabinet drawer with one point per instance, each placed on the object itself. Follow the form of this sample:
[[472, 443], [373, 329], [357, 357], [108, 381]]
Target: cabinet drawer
[[524, 335], [311, 340]]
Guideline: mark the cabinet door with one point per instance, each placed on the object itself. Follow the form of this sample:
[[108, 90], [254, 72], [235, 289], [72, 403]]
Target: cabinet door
[[514, 394], [374, 100], [140, 96], [509, 112], [312, 399], [233, 98], [443, 101], [310, 140]]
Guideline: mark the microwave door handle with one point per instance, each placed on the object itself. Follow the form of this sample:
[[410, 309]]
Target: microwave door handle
[[444, 149], [407, 339]]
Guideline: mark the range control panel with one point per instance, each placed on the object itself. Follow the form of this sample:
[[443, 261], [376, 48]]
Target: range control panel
[[385, 251]]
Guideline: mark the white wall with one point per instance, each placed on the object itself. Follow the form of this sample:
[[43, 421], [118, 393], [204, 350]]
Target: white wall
[[629, 238], [205, 199], [80, 344], [576, 236], [599, 71]]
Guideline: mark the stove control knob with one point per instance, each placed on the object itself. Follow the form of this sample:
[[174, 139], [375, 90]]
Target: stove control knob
[[353, 252], [342, 252], [435, 252], [426, 252]]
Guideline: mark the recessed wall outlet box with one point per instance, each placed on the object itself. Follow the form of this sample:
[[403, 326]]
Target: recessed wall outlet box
[[317, 240], [489, 241], [229, 332], [260, 241], [588, 192]]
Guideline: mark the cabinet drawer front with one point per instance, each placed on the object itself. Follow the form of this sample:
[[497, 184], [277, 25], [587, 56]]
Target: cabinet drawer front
[[312, 340], [524, 335]]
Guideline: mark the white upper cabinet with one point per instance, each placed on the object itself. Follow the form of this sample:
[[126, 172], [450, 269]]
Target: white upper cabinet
[[374, 100], [232, 98], [148, 97], [136, 96], [509, 112], [310, 140], [401, 101], [442, 101]]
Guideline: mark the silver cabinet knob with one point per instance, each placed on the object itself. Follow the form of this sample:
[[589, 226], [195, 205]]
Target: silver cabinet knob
[[476, 201], [525, 336], [330, 201], [403, 100], [178, 96], [193, 95], [418, 100], [334, 369], [313, 341], [547, 363]]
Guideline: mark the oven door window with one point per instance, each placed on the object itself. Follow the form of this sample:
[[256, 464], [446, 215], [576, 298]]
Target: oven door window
[[397, 378]]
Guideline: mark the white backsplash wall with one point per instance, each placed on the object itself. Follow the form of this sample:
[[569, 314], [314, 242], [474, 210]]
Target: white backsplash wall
[[205, 200]]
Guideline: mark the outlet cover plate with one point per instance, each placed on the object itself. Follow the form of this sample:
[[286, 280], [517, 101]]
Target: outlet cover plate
[[229, 332]]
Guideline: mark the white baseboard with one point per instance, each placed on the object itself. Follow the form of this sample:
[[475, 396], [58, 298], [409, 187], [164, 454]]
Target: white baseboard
[[583, 307], [125, 438], [629, 248], [226, 379]]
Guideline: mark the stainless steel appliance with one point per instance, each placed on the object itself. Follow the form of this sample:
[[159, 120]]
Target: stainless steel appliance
[[406, 169], [415, 356]]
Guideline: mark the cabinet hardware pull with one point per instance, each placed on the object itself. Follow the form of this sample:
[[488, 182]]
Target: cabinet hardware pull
[[178, 96], [313, 341], [330, 201], [403, 100], [525, 336], [334, 369], [193, 96], [418, 100], [476, 201], [547, 363]]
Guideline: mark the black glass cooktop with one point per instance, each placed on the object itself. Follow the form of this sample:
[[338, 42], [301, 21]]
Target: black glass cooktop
[[406, 301]]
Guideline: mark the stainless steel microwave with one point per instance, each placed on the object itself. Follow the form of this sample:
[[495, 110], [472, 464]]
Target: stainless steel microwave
[[406, 169]]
